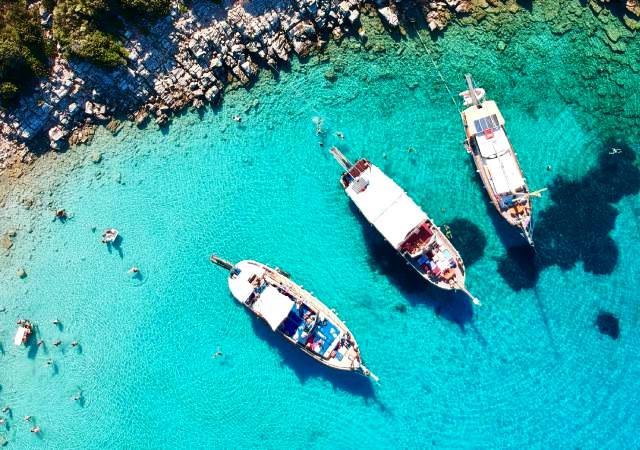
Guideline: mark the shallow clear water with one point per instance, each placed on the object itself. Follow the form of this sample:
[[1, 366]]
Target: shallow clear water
[[529, 368]]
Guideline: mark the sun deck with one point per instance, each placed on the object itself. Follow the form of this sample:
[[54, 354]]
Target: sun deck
[[430, 255]]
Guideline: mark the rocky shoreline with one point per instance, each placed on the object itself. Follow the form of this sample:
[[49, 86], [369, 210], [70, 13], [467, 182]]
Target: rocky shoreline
[[187, 59], [184, 60]]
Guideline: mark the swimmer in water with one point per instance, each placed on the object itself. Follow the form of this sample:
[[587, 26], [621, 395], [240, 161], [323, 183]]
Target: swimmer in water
[[237, 118], [339, 134], [217, 354], [35, 429], [133, 270]]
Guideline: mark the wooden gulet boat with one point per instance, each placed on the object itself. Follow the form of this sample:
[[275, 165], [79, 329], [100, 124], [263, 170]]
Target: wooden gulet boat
[[495, 160], [295, 314], [403, 224]]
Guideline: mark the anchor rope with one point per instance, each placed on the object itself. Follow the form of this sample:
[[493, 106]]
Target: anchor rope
[[435, 66]]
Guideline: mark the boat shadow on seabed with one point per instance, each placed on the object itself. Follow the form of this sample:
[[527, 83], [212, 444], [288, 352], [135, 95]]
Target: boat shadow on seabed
[[454, 306], [306, 368], [563, 239]]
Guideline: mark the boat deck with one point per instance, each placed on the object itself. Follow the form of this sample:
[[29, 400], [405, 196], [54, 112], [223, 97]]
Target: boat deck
[[293, 312], [497, 163]]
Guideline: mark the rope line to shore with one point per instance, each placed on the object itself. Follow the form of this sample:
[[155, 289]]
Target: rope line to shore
[[435, 66]]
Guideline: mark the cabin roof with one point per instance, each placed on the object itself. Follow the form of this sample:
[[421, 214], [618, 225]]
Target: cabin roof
[[385, 205], [488, 108], [504, 173]]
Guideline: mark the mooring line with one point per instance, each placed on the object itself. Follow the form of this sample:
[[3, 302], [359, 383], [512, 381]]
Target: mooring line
[[435, 66]]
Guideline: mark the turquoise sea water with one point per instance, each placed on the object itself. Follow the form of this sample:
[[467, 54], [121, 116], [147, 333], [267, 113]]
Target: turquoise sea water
[[527, 369]]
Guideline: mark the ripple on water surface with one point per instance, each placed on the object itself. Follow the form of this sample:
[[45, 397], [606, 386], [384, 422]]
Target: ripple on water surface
[[530, 368]]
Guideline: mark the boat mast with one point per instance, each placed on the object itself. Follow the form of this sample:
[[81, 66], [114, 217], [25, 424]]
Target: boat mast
[[342, 160], [472, 90]]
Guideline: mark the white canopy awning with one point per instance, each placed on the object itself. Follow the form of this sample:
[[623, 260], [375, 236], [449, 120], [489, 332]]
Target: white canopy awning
[[381, 191], [399, 219], [386, 206], [20, 335], [273, 306], [492, 148], [505, 174]]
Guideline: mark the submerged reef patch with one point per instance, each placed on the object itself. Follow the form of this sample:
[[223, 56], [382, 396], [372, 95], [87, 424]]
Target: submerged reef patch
[[576, 226], [608, 324]]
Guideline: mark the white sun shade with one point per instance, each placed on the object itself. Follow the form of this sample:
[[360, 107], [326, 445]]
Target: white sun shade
[[386, 206], [504, 174], [20, 335], [399, 219], [273, 306]]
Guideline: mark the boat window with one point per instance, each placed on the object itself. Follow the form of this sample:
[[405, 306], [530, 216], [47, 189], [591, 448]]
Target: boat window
[[486, 123]]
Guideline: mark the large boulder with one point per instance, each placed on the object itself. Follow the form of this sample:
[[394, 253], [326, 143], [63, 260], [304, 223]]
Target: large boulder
[[389, 16]]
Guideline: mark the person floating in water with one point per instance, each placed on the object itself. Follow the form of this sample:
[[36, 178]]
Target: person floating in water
[[339, 134], [61, 215], [57, 342], [217, 354], [615, 151], [134, 270], [74, 343], [319, 123], [6, 409], [237, 118], [36, 429], [27, 418], [447, 232], [55, 322], [77, 397]]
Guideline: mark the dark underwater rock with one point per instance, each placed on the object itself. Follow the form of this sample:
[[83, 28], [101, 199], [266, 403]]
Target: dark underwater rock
[[608, 324]]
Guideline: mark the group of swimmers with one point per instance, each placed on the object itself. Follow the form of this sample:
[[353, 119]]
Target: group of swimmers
[[77, 397]]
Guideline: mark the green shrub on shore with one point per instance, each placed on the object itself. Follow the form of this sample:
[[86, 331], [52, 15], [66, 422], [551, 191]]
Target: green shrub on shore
[[91, 29], [148, 9], [23, 50]]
